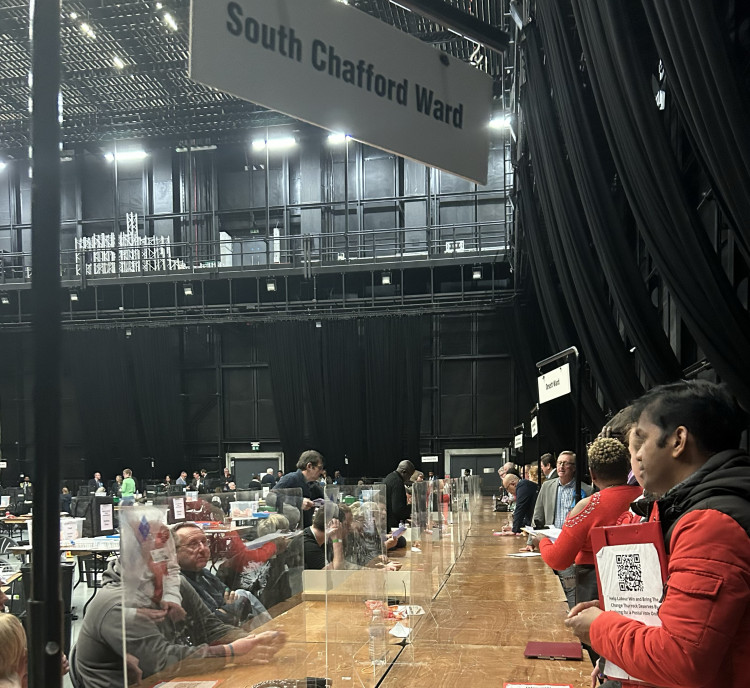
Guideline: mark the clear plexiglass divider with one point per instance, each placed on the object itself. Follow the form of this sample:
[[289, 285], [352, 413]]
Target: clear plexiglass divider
[[354, 575], [207, 587]]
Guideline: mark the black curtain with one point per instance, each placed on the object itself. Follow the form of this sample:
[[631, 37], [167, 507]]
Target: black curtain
[[580, 274], [583, 137], [358, 382], [713, 102], [554, 311], [645, 161], [128, 396]]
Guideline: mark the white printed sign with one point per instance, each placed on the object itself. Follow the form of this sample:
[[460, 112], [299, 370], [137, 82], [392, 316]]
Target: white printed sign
[[518, 441], [632, 586], [534, 426], [178, 505], [429, 459], [554, 384], [106, 517], [335, 66]]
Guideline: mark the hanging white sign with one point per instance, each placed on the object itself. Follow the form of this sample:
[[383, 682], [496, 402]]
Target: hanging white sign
[[534, 426], [554, 384], [518, 441], [335, 66]]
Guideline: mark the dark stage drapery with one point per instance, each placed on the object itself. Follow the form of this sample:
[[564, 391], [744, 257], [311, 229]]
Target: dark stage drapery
[[580, 274], [669, 225], [583, 140], [128, 396], [349, 388]]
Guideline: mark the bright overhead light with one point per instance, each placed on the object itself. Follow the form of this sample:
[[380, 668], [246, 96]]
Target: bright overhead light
[[4, 299], [500, 122], [124, 156], [74, 296], [385, 278], [476, 273], [170, 21], [86, 29], [338, 138], [73, 15], [3, 165], [117, 61], [159, 5], [187, 288], [275, 144], [271, 284]]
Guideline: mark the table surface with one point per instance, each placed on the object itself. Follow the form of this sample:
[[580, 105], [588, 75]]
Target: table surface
[[473, 633]]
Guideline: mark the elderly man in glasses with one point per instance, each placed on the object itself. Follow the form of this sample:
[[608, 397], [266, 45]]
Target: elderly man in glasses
[[235, 608], [556, 499]]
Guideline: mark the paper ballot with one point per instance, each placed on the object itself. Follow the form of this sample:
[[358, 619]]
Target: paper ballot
[[548, 531]]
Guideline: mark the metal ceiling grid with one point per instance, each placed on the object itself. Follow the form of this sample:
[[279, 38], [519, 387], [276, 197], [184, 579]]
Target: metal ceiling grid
[[151, 96]]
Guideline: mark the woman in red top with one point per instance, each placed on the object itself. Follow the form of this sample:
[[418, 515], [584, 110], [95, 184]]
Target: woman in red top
[[609, 464]]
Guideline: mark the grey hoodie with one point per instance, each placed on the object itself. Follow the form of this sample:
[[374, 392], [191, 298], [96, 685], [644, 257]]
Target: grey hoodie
[[97, 658]]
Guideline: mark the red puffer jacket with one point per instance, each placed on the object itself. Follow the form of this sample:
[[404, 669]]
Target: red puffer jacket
[[704, 640]]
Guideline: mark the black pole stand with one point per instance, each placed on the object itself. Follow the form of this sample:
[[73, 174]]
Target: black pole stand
[[45, 610], [576, 393]]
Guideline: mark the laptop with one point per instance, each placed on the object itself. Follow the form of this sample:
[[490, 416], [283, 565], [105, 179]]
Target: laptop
[[542, 650]]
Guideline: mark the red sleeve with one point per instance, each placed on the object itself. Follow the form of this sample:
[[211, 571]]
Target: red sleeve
[[706, 600], [575, 531], [262, 553]]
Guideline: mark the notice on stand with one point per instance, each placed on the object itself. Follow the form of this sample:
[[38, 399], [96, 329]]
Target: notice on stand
[[179, 508], [106, 520], [632, 585]]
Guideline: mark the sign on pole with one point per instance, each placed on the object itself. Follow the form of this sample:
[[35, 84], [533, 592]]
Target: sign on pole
[[534, 426], [554, 384], [332, 65]]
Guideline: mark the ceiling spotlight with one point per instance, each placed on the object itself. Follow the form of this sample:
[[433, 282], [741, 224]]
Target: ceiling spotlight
[[632, 349], [318, 324], [74, 15], [159, 5], [385, 278], [500, 122], [87, 30], [2, 165], [118, 62], [170, 21], [275, 144], [128, 332], [476, 273], [187, 288], [334, 139], [125, 156], [73, 295], [270, 284], [4, 299]]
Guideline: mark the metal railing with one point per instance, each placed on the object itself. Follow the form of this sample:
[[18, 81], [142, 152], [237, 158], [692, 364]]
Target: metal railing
[[398, 245]]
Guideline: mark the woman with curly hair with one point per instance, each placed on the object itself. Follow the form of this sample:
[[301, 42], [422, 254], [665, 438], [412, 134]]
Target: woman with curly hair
[[609, 464]]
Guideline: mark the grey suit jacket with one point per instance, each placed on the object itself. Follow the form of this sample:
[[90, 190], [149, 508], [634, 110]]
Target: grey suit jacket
[[546, 502]]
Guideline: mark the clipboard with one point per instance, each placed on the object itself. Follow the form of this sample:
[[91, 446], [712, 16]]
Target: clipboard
[[633, 533]]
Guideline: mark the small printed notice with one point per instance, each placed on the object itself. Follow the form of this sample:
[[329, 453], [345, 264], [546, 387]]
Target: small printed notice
[[632, 585], [179, 508], [106, 519]]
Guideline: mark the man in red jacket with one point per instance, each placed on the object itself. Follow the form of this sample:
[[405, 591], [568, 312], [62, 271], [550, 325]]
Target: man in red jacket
[[685, 440]]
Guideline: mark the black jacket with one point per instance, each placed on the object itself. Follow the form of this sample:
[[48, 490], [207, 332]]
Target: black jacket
[[398, 509]]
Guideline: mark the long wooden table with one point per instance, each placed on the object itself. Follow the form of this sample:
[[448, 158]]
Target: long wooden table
[[474, 633]]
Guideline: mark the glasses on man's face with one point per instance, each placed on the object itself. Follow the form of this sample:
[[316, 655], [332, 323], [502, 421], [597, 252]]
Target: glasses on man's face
[[195, 545], [563, 464]]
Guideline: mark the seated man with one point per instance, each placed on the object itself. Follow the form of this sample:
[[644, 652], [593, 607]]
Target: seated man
[[234, 608]]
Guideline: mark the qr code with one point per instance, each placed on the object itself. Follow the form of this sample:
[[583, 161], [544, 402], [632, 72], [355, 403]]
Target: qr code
[[629, 572]]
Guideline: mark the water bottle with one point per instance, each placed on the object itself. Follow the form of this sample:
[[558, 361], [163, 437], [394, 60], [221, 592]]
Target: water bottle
[[378, 638]]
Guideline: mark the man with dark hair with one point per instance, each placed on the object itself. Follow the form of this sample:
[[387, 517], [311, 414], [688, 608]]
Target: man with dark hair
[[685, 441], [398, 508], [95, 483], [309, 468], [548, 466], [323, 541], [525, 493]]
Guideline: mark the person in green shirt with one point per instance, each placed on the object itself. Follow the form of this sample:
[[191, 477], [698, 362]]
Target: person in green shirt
[[128, 488]]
